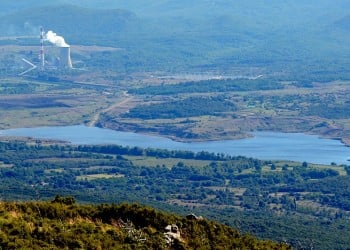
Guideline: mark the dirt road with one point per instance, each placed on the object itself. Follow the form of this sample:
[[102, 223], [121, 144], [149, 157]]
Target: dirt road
[[96, 117]]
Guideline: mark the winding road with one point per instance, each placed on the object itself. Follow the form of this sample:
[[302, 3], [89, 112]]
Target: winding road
[[96, 117]]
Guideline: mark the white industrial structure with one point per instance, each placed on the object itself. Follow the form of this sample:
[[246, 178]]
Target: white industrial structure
[[65, 60]]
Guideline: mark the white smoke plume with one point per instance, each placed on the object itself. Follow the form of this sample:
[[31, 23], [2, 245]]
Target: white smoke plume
[[53, 38]]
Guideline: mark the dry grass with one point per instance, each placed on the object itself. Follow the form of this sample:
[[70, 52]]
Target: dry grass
[[140, 161], [98, 176]]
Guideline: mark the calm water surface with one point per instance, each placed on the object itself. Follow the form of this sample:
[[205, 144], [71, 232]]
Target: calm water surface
[[264, 145]]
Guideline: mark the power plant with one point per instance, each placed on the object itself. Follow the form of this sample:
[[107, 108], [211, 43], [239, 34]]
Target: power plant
[[63, 59]]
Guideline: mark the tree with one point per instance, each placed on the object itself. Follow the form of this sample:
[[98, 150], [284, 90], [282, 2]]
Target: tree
[[69, 200]]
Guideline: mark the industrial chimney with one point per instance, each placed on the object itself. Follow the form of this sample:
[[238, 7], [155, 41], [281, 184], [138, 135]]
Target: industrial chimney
[[65, 60], [42, 53]]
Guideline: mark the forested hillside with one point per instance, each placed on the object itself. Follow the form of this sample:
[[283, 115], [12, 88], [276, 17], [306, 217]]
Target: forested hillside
[[62, 224], [281, 201]]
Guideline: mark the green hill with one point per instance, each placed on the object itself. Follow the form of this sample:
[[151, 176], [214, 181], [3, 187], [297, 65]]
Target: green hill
[[61, 224], [69, 20]]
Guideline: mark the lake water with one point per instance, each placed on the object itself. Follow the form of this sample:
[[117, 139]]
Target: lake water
[[264, 145]]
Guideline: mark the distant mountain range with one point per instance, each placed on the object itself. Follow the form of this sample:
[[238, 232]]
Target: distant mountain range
[[252, 15], [196, 32], [68, 19]]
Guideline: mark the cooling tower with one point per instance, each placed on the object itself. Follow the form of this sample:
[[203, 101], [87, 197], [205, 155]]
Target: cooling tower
[[65, 61]]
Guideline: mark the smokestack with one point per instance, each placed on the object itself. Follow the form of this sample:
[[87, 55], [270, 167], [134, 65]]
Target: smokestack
[[42, 54], [65, 60]]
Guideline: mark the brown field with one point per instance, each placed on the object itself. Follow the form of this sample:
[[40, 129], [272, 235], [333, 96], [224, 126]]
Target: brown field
[[31, 102]]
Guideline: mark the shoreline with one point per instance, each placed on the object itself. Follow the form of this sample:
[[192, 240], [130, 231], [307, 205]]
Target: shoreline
[[227, 137], [345, 141], [239, 136], [273, 145]]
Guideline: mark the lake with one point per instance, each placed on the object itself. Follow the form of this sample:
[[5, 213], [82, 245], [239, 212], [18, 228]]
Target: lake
[[264, 145]]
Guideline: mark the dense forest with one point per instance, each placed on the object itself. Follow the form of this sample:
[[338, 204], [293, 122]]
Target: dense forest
[[303, 199], [193, 106]]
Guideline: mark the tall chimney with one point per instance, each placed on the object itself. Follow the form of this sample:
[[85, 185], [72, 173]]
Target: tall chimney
[[65, 60], [42, 54]]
